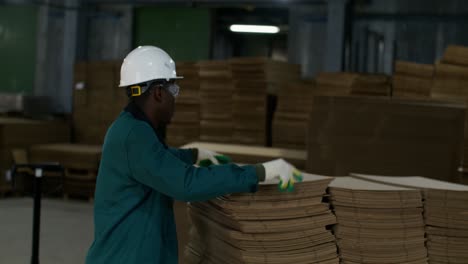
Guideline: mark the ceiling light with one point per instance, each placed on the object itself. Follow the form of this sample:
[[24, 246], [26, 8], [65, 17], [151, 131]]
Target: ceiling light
[[254, 29]]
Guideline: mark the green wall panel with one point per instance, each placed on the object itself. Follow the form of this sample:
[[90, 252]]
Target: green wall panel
[[17, 48], [184, 33]]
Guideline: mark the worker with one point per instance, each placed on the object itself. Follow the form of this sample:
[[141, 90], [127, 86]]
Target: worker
[[139, 176]]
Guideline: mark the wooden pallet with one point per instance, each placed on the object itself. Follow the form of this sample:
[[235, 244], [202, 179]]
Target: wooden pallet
[[79, 183]]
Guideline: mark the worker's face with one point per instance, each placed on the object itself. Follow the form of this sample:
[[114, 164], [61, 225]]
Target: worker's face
[[167, 106], [170, 105]]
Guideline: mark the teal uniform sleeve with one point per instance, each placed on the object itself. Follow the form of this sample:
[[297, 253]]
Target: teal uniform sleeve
[[186, 155], [155, 166]]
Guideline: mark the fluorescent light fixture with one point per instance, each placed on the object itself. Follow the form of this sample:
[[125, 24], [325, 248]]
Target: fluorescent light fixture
[[254, 29]]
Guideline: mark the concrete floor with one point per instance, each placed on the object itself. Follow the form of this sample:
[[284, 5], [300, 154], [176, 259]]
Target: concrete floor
[[66, 231]]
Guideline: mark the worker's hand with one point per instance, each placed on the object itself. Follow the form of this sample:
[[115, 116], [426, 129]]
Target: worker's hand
[[207, 157], [286, 173]]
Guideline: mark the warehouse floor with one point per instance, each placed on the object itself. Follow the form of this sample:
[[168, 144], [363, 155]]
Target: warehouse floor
[[66, 231]]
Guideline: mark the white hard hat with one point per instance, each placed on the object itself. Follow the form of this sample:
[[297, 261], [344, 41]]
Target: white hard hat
[[147, 63]]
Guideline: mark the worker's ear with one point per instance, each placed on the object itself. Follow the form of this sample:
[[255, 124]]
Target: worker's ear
[[157, 94]]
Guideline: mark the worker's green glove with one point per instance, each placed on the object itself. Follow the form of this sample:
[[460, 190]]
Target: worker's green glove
[[207, 157], [281, 170]]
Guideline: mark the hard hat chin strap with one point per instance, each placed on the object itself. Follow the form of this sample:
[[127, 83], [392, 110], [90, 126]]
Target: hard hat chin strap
[[135, 90], [141, 88]]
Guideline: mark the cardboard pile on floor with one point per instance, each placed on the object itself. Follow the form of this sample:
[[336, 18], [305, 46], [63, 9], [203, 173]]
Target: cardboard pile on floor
[[19, 133], [265, 227], [333, 83], [216, 92], [371, 84], [97, 100], [295, 102], [377, 223], [256, 84], [412, 80], [80, 162], [291, 117], [445, 213], [451, 83], [456, 55], [185, 125], [342, 83], [385, 136]]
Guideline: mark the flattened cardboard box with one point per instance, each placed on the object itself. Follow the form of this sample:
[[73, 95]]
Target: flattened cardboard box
[[374, 226], [69, 155], [385, 136], [445, 214], [456, 55], [252, 228], [412, 69]]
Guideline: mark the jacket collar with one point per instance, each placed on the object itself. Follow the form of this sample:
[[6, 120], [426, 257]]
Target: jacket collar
[[138, 114]]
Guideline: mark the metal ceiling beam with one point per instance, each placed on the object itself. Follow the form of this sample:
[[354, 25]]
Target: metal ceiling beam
[[263, 3]]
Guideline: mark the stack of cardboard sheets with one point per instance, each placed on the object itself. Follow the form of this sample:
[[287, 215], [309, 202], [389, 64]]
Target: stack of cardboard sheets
[[377, 223], [291, 117], [451, 83], [185, 125], [19, 133], [412, 79], [256, 83], [457, 55], [333, 83], [295, 102], [97, 100], [216, 93], [80, 162], [386, 136], [341, 83], [371, 84], [265, 227], [445, 213]]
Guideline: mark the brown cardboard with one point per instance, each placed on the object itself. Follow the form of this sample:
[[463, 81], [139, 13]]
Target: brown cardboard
[[18, 132], [182, 133], [406, 68], [80, 83], [291, 117], [253, 154], [68, 155], [338, 79], [385, 136], [450, 83], [411, 86], [377, 223], [277, 230], [450, 71], [182, 226], [256, 83], [97, 99], [371, 84], [185, 124], [445, 214], [456, 55]]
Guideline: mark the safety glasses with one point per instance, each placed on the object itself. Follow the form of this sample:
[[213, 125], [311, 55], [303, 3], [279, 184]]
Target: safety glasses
[[172, 88], [137, 90]]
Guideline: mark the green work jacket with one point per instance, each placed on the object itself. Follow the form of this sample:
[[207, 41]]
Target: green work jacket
[[139, 178]]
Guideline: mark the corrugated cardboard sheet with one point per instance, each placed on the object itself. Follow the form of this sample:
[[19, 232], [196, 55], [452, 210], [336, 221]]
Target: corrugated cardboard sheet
[[445, 214], [385, 136]]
